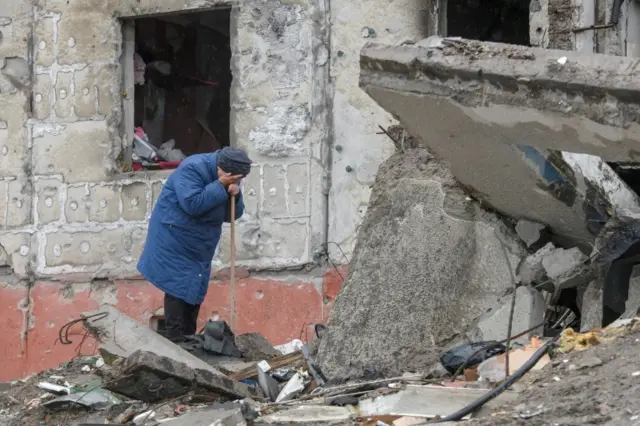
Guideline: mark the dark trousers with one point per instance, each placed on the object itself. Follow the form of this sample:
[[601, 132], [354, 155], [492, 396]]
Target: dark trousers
[[180, 318]]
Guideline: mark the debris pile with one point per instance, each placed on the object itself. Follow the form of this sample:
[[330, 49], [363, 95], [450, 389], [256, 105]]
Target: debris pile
[[173, 387], [450, 313], [140, 378]]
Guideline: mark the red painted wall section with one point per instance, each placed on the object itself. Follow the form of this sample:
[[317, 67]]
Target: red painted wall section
[[13, 317], [281, 310], [331, 285]]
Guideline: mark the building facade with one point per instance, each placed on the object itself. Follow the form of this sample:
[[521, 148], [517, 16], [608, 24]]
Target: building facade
[[73, 216]]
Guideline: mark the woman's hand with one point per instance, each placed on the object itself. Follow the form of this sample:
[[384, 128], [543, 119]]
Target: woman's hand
[[227, 179], [234, 189]]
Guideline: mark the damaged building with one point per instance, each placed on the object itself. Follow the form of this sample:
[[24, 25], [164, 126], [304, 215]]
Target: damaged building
[[532, 111], [81, 81], [522, 150]]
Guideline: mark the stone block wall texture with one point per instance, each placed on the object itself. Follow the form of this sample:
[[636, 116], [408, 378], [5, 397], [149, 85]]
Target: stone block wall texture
[[72, 225]]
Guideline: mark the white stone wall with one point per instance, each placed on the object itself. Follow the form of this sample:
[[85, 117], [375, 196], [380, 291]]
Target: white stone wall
[[67, 210], [357, 146]]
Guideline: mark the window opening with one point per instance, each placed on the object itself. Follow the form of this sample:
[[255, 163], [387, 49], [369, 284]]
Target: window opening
[[500, 21], [182, 81]]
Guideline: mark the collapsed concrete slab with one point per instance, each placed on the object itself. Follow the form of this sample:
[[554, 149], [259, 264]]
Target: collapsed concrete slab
[[428, 263], [566, 268], [209, 418], [255, 347], [533, 234], [150, 377], [527, 131], [122, 336], [531, 272]]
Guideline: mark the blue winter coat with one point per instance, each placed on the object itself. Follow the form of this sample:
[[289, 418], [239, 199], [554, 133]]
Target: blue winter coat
[[184, 229]]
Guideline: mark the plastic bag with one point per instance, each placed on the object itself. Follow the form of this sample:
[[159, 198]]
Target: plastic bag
[[452, 359]]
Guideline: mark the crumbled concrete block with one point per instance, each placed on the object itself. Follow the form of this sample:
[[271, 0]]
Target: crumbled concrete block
[[590, 300], [516, 180], [231, 367], [210, 417], [591, 306], [566, 268], [531, 271], [533, 234], [528, 312], [308, 414], [148, 376], [428, 401], [255, 347], [561, 261], [147, 351]]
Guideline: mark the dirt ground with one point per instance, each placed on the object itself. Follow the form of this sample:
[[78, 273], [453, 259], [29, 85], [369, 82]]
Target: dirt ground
[[600, 385], [21, 401]]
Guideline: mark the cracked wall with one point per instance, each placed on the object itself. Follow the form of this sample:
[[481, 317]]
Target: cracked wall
[[67, 211], [70, 215]]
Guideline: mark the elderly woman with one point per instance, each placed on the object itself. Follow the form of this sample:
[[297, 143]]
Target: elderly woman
[[184, 231]]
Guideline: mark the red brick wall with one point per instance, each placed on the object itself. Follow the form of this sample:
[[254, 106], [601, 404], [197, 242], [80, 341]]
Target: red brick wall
[[30, 321]]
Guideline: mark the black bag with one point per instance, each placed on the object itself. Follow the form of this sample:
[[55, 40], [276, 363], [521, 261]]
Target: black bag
[[452, 359]]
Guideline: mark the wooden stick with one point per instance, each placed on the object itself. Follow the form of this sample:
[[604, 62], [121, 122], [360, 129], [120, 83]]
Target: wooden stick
[[233, 262], [275, 363]]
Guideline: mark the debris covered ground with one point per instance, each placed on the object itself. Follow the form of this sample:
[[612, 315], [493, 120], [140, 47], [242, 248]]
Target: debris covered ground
[[590, 378], [445, 303]]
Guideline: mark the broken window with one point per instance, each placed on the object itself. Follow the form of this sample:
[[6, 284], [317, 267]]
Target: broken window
[[179, 66], [503, 21]]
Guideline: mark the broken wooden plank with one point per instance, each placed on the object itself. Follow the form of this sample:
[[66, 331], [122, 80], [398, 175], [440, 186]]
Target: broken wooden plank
[[275, 363]]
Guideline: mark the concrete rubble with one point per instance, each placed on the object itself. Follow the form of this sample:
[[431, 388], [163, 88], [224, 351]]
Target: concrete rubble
[[471, 279], [533, 234], [423, 245], [493, 113], [499, 229]]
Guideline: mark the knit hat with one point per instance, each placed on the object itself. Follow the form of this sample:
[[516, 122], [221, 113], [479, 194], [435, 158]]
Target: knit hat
[[234, 161]]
